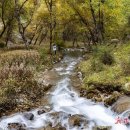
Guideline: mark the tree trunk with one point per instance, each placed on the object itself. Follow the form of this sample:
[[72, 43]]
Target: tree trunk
[[51, 28], [3, 20], [95, 33]]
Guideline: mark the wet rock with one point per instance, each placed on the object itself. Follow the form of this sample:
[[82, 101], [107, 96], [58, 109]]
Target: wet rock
[[83, 92], [58, 127], [126, 88], [76, 81], [102, 93], [77, 120], [79, 74], [72, 94], [98, 99], [122, 104], [115, 41], [58, 115], [42, 111], [16, 126], [54, 115], [126, 115], [109, 101], [29, 116], [102, 128], [47, 87], [48, 108], [90, 95]]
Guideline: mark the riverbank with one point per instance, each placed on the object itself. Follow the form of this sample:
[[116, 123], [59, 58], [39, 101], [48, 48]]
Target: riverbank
[[106, 73], [20, 88], [65, 110]]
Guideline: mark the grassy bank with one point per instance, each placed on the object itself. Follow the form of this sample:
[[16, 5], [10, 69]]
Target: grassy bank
[[19, 89], [107, 66]]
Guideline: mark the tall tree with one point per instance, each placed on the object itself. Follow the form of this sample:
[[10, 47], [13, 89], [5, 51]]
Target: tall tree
[[52, 21]]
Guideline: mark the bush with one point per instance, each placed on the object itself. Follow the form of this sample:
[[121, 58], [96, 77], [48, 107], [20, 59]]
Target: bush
[[96, 65], [2, 45], [19, 47], [60, 43], [117, 74], [19, 86], [45, 58], [43, 52], [125, 66], [18, 57], [106, 58], [18, 83]]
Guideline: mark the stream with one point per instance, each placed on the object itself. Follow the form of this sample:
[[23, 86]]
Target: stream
[[66, 100]]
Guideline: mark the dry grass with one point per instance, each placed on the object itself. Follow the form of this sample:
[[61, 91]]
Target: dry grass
[[19, 47], [18, 85], [19, 88], [18, 57]]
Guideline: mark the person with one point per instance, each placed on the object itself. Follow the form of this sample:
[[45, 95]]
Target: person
[[54, 48]]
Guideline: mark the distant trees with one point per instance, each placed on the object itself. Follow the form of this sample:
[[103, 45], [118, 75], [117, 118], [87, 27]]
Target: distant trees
[[13, 16], [91, 14], [7, 16], [90, 21]]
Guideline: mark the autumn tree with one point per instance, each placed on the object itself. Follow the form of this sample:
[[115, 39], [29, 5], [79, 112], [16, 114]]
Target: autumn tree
[[50, 4], [7, 17]]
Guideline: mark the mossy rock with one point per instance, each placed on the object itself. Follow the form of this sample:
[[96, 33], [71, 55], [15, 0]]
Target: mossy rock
[[126, 88], [115, 95]]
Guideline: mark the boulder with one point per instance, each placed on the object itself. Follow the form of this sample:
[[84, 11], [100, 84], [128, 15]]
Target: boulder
[[78, 120], [102, 128], [79, 74], [126, 88], [16, 126], [42, 111], [29, 116], [58, 115], [109, 101], [58, 127], [47, 87], [115, 41], [55, 128], [121, 105]]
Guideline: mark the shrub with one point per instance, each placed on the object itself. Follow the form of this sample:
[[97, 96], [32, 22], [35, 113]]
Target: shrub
[[18, 57], [60, 43], [125, 66], [45, 58], [96, 65], [18, 84], [15, 82], [43, 52], [2, 45], [19, 47], [106, 58]]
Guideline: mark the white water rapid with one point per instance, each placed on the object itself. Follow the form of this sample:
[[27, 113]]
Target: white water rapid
[[65, 99]]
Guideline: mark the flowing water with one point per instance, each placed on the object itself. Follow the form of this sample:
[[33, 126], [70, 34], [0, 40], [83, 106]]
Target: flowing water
[[65, 99]]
